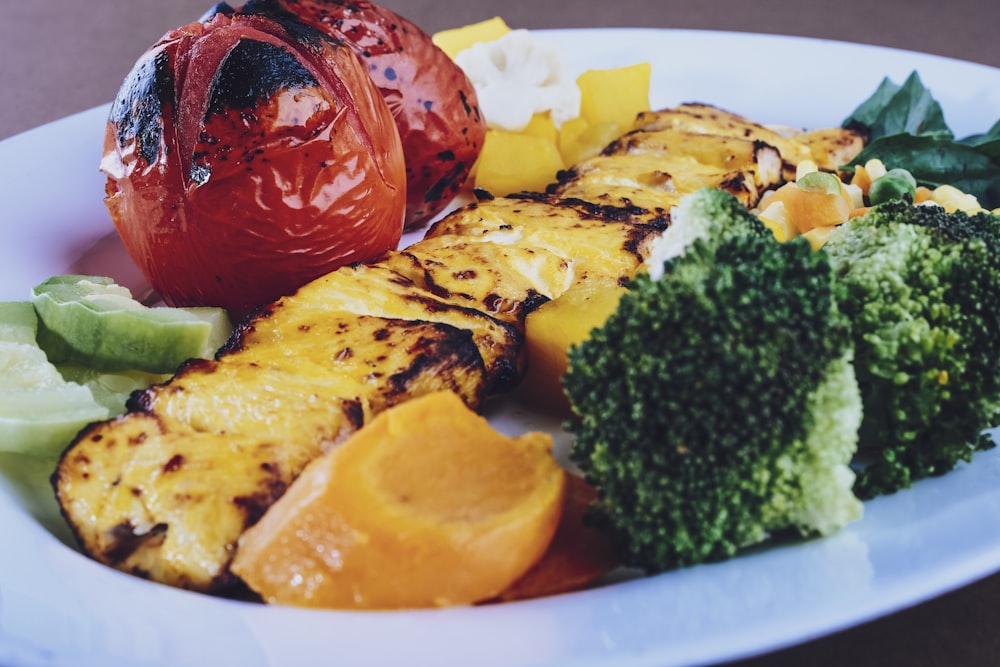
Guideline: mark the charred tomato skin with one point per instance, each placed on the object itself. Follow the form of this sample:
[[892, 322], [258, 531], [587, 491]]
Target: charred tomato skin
[[432, 99], [247, 156]]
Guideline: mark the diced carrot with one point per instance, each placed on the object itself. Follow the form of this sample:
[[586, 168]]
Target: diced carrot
[[807, 209], [923, 194], [861, 178], [425, 506]]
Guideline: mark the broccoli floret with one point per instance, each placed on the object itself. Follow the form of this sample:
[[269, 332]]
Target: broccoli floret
[[709, 214], [717, 406], [922, 290]]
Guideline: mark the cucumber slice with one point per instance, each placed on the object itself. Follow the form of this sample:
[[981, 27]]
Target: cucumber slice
[[110, 389], [40, 412], [94, 322], [42, 422], [18, 323]]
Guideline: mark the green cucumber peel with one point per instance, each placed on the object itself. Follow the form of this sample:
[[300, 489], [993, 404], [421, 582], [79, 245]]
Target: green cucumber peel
[[89, 320]]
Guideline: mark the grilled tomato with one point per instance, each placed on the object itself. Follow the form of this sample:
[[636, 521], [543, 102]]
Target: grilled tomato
[[433, 101], [246, 156]]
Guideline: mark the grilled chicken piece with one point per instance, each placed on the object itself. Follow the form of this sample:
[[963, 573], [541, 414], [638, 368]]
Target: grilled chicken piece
[[267, 397], [506, 256], [675, 151], [829, 148], [707, 154], [707, 119], [167, 503], [393, 359], [833, 147], [653, 168], [603, 242], [165, 491], [377, 291], [505, 281]]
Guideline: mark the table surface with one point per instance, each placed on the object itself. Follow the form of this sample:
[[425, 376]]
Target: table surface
[[56, 59]]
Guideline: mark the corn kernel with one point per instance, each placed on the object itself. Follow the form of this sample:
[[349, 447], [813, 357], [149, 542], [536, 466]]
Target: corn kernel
[[776, 228], [876, 169], [775, 218], [953, 199], [857, 195], [819, 235], [805, 167]]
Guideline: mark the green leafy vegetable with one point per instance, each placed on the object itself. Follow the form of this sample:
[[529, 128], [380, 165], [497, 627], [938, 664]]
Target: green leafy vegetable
[[906, 109], [906, 128], [988, 142]]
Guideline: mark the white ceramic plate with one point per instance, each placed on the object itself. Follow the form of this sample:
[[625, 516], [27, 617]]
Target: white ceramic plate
[[59, 608]]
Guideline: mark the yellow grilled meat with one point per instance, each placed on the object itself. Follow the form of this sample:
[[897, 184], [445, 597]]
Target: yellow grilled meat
[[653, 169], [605, 242], [673, 152], [831, 148], [375, 290], [166, 503], [504, 281], [303, 373], [705, 119], [165, 491]]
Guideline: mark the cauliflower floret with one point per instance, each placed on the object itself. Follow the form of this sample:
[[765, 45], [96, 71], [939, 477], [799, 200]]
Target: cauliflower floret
[[517, 76]]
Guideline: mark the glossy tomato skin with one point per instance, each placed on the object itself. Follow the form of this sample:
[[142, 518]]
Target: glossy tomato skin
[[246, 157], [432, 99]]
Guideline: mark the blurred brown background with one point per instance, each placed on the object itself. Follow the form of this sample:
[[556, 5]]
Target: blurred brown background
[[58, 57]]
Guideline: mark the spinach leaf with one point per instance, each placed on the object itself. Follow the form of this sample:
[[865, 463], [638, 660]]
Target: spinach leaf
[[987, 142], [991, 134], [992, 149], [893, 109], [867, 112]]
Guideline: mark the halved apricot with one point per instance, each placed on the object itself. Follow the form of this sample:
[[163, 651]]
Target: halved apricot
[[426, 506]]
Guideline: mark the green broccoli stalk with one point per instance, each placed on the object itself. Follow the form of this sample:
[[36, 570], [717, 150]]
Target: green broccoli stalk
[[922, 290], [717, 406]]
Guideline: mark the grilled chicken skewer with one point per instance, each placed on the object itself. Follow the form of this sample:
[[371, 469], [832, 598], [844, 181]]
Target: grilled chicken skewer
[[165, 490]]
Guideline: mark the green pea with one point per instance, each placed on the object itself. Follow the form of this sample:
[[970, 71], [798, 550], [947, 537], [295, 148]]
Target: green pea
[[896, 184], [904, 174]]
